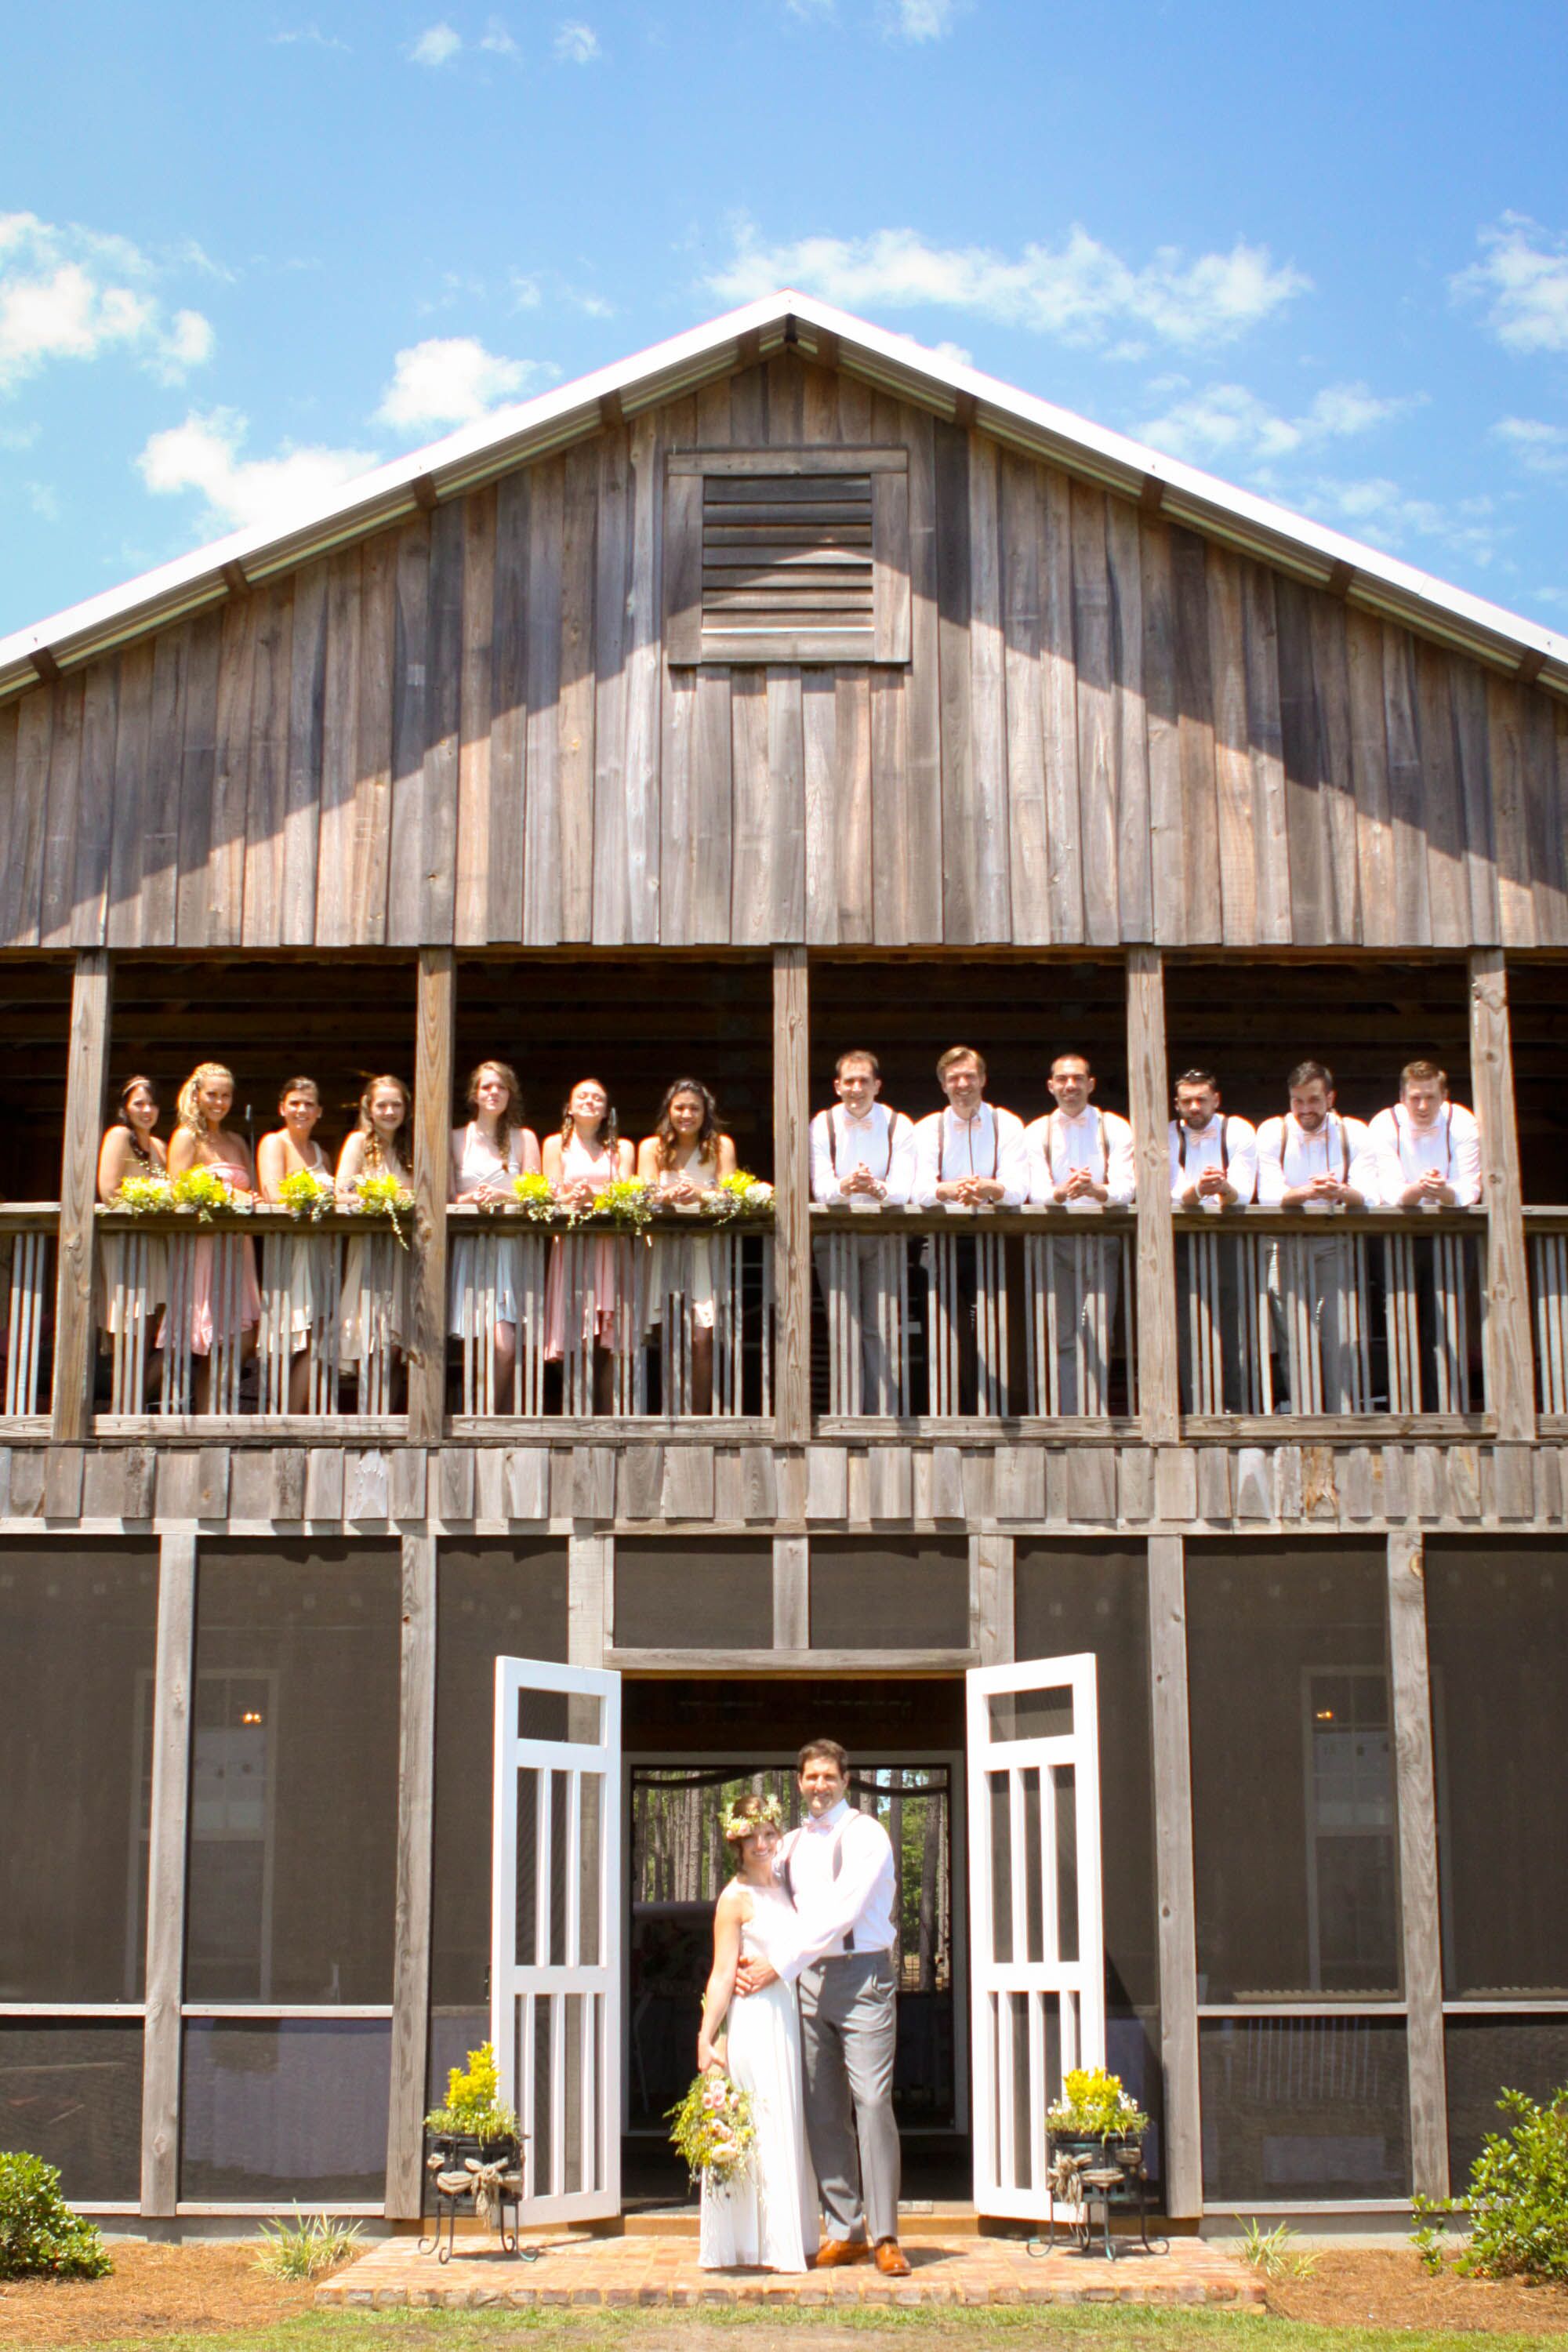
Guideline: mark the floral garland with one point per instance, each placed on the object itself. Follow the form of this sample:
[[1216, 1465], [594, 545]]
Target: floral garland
[[306, 1192], [383, 1196], [534, 1197], [737, 1825], [713, 2129], [145, 1196], [199, 1189], [740, 1196]]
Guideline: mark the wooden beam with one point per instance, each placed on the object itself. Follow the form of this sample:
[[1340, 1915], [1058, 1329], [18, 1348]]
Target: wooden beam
[[792, 1593], [792, 1196], [45, 665], [438, 991], [1175, 1889], [1148, 1088], [1418, 1866], [411, 1946], [991, 1598], [1506, 1336], [86, 1077], [590, 1599], [174, 1676]]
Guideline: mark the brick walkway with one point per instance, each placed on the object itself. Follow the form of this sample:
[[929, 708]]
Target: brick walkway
[[637, 2270]]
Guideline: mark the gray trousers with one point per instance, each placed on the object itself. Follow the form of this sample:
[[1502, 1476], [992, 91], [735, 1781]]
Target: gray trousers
[[1084, 1282], [847, 2030]]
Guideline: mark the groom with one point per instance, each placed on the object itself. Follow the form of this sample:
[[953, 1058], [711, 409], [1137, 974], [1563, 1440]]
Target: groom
[[838, 1869]]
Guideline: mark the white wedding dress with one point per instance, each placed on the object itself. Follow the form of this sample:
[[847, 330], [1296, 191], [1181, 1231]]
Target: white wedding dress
[[769, 2219]]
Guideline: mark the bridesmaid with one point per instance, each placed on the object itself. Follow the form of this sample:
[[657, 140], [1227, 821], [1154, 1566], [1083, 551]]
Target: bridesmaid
[[203, 1139], [374, 1313], [131, 1148], [485, 1155], [293, 1264], [588, 1153], [684, 1157]]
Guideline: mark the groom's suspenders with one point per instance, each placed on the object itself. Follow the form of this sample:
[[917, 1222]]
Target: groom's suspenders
[[837, 1865]]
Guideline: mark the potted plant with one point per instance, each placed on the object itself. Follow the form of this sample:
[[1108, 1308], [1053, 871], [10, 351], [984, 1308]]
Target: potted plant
[[474, 2122], [1094, 2117]]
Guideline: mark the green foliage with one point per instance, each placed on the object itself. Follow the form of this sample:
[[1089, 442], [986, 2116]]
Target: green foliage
[[40, 2237], [473, 2105], [307, 2246], [203, 1190], [145, 1196], [535, 1198], [306, 1192], [1517, 2203], [1093, 2106], [1272, 2252], [626, 1204]]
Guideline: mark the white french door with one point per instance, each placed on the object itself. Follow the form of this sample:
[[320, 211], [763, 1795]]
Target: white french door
[[1037, 1936], [555, 1931]]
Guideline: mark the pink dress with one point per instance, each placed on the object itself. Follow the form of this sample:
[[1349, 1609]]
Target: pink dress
[[589, 1264], [245, 1292]]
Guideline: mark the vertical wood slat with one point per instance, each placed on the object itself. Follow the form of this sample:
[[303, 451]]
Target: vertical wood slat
[[410, 702], [792, 1183], [432, 1123], [792, 1593], [1148, 1093], [416, 1845], [1097, 744], [303, 792], [160, 843], [1175, 1893], [86, 1077], [267, 782], [1506, 1336], [992, 1618], [101, 696], [58, 900], [575, 734], [1418, 1865], [174, 1676]]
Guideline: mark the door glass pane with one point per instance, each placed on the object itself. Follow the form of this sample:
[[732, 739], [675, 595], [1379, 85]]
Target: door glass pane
[[1032, 1715], [527, 1866], [588, 1872], [1034, 1863], [1064, 1782], [1001, 1867]]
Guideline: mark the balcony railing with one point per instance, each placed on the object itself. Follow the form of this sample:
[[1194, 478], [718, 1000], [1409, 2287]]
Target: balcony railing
[[1352, 1313], [985, 1315], [27, 1241], [1548, 1234]]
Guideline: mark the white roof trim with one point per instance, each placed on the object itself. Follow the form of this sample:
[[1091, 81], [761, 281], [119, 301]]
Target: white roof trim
[[508, 436]]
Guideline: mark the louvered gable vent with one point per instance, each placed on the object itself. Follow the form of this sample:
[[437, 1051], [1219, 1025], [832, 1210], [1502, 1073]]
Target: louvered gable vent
[[787, 555]]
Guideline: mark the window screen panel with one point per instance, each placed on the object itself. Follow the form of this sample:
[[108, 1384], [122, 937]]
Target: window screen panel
[[876, 1594], [72, 2093], [1486, 2055], [285, 2109], [1304, 2108], [694, 1596]]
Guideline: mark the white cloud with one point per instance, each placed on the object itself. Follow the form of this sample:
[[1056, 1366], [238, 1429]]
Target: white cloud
[[69, 293], [309, 36], [203, 453], [576, 43], [1080, 292], [1524, 280], [436, 46], [498, 40], [919, 20], [1381, 512], [43, 499], [525, 293], [1226, 424], [451, 380], [1541, 448]]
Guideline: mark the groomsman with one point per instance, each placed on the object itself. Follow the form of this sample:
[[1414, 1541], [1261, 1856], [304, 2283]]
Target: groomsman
[[971, 1153], [1213, 1165], [1079, 1152], [1428, 1149], [1315, 1158], [862, 1150]]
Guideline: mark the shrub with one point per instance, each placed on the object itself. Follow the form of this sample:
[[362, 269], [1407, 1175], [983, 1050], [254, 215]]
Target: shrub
[[40, 2234], [1517, 2203], [304, 2247], [1272, 2252]]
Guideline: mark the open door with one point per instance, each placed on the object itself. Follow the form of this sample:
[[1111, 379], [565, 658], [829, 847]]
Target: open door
[[1036, 1939], [555, 1930]]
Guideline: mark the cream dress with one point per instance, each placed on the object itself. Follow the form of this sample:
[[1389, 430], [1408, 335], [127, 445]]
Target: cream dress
[[769, 2219], [481, 1163], [683, 1260]]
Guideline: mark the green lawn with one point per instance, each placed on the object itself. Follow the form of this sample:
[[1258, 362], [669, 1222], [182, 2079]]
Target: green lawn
[[1040, 2329]]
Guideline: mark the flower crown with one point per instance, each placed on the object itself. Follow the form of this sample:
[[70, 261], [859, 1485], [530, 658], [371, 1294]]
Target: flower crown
[[737, 1825]]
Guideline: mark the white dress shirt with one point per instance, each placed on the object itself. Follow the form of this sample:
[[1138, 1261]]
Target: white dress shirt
[[1229, 1144], [830, 1906], [1289, 1158], [1452, 1146], [989, 1144], [884, 1140], [1096, 1139]]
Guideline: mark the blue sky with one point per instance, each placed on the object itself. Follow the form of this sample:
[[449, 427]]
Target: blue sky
[[245, 252]]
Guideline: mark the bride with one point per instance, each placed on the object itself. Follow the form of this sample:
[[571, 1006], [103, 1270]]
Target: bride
[[768, 2220]]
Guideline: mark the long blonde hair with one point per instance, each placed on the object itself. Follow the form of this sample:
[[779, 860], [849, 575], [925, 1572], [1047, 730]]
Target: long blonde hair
[[187, 1108], [373, 1155]]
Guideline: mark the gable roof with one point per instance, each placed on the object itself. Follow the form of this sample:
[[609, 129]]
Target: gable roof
[[509, 436]]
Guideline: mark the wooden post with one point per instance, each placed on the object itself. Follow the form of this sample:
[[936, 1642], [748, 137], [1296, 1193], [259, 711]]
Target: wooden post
[[992, 1615], [792, 1196], [174, 1682], [1509, 1360], [792, 1593], [1173, 1875], [1148, 1096], [590, 1586], [1418, 1866], [411, 1946], [432, 1156], [87, 1072]]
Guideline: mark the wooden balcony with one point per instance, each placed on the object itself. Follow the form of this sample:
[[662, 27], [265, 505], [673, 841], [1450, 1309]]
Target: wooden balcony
[[28, 1235]]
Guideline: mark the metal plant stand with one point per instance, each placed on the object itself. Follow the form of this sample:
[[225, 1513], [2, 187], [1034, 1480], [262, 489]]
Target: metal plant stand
[[460, 2179], [1097, 2185]]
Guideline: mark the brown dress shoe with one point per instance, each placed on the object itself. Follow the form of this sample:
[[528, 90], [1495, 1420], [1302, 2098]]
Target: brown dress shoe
[[836, 2251], [890, 2260]]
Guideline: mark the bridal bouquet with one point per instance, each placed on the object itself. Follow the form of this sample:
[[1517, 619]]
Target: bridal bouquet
[[714, 2131]]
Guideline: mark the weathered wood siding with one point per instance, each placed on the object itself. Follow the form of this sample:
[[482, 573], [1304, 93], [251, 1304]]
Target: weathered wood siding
[[462, 731]]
